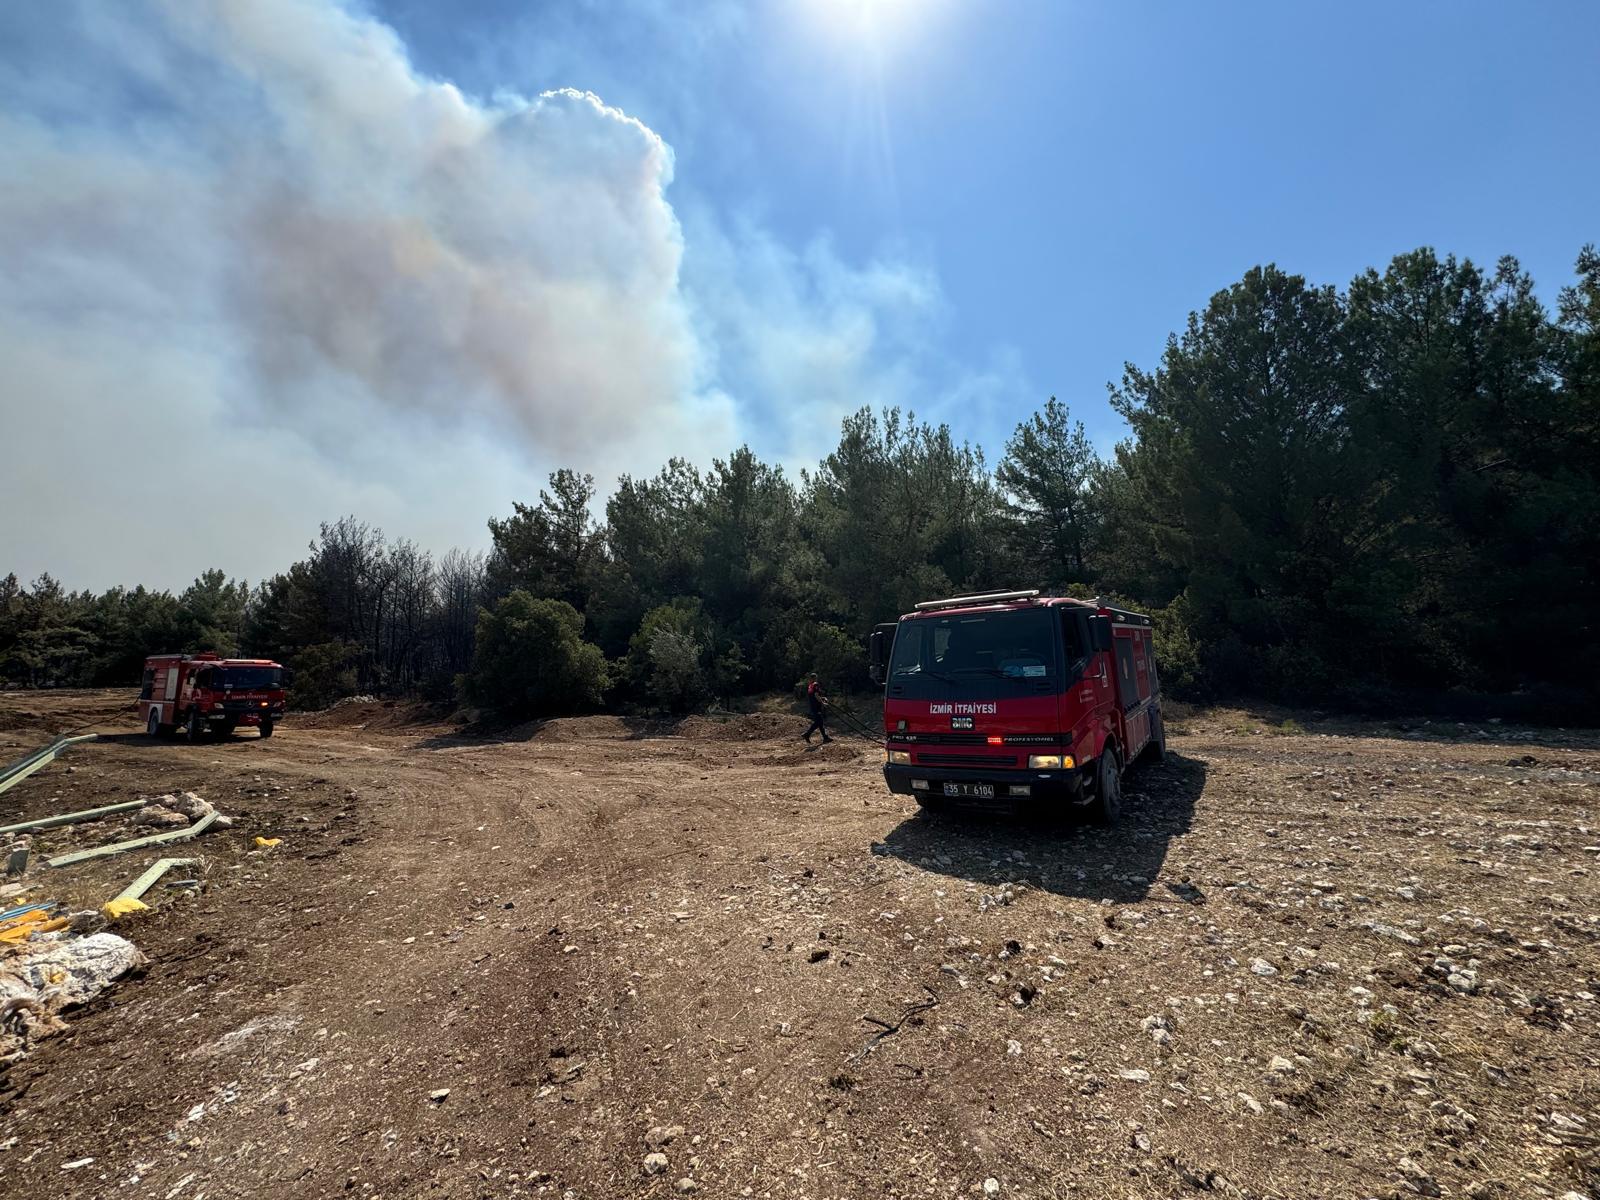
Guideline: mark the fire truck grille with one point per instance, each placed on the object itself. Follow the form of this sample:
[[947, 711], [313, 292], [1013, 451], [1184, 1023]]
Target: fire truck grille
[[966, 760]]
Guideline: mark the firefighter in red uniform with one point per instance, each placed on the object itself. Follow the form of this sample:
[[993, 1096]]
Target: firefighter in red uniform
[[817, 702]]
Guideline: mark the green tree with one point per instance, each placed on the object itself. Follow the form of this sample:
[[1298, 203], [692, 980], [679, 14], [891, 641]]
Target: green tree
[[531, 660], [1047, 475], [898, 512], [548, 549], [677, 673], [322, 674], [1238, 459], [211, 613]]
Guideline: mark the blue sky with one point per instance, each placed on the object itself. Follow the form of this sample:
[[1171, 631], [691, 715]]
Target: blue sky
[[1079, 177], [401, 258]]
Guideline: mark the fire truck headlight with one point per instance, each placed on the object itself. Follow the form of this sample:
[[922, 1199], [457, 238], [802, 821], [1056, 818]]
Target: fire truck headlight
[[1051, 762], [900, 758]]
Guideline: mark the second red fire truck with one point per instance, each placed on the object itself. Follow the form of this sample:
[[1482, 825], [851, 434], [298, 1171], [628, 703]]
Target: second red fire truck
[[203, 693], [1016, 700]]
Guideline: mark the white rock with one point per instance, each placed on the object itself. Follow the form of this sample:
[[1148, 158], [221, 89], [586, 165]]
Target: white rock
[[662, 1135], [1280, 1065], [991, 1186], [1260, 966], [1134, 1074], [655, 1163], [1390, 931]]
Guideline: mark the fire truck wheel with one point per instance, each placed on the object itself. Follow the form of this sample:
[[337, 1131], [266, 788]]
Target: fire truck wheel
[[194, 728], [153, 725], [1158, 739], [266, 729], [1108, 789]]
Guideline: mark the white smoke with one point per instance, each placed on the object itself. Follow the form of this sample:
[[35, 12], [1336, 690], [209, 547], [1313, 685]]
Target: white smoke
[[340, 271], [256, 271], [358, 224]]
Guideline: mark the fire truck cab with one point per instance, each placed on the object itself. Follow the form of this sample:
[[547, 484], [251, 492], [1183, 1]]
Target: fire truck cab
[[204, 693], [1013, 700]]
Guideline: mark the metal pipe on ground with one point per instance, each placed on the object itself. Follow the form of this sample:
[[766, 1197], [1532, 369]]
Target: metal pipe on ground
[[155, 839], [73, 818], [146, 881], [18, 771]]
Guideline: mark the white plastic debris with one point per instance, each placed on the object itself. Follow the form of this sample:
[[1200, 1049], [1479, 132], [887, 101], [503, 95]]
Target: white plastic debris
[[50, 976]]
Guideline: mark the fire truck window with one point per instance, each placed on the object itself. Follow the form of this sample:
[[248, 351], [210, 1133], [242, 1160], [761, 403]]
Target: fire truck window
[[147, 688], [251, 677], [1127, 687], [992, 654], [1073, 647]]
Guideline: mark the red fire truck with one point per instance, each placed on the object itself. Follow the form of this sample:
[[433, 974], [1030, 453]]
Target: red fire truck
[[1010, 699], [202, 693]]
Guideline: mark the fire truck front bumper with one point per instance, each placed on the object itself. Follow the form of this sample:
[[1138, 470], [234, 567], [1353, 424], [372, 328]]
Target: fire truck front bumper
[[963, 787], [244, 713]]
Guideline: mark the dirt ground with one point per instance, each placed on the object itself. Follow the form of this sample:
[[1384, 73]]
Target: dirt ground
[[1341, 960]]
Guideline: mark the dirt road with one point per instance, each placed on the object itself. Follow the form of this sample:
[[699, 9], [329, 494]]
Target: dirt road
[[1340, 963]]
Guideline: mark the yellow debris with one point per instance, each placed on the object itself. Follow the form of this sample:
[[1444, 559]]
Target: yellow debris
[[19, 929], [114, 909], [267, 843]]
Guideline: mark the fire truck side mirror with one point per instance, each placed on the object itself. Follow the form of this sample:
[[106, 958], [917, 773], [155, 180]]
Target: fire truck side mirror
[[877, 652], [1100, 633]]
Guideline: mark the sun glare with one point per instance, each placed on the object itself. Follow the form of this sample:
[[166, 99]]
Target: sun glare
[[871, 19]]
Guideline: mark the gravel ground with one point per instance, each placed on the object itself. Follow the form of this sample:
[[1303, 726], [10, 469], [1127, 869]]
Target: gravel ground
[[603, 958]]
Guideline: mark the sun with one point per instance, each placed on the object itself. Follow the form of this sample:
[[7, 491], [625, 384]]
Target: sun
[[868, 19]]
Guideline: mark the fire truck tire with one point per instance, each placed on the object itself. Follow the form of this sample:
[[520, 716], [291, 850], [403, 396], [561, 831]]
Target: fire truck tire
[[1157, 751], [153, 725], [266, 729], [194, 728], [1107, 806]]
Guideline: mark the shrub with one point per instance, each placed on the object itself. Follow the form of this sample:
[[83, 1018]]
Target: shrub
[[531, 660], [832, 653], [682, 617], [677, 680], [322, 674], [1177, 649]]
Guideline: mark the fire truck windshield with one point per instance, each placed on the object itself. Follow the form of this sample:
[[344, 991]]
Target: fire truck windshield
[[252, 678], [998, 654]]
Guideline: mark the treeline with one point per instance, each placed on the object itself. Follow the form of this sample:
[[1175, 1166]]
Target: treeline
[[1386, 494]]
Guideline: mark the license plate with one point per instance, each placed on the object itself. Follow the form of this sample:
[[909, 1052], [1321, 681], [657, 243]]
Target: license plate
[[981, 791]]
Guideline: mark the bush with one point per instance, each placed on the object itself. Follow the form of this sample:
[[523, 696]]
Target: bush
[[677, 681], [1177, 650], [832, 653], [531, 660], [681, 617], [323, 674]]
